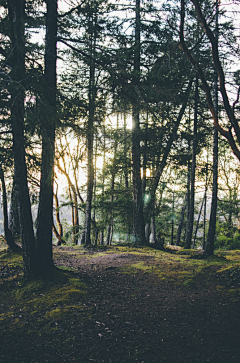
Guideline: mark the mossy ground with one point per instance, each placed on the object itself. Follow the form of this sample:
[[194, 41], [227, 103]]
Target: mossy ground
[[71, 311], [36, 308]]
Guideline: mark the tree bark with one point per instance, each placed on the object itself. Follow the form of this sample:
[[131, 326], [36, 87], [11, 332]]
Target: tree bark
[[126, 184], [198, 220], [103, 180], [138, 219], [16, 10], [173, 211], [147, 232], [8, 233], [58, 233], [90, 132], [205, 206], [153, 229], [193, 171], [110, 224], [209, 248], [45, 207], [180, 224], [188, 203], [14, 222], [145, 156]]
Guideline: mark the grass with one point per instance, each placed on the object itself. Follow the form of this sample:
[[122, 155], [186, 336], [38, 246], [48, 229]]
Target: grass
[[47, 315], [185, 268], [45, 301], [38, 308]]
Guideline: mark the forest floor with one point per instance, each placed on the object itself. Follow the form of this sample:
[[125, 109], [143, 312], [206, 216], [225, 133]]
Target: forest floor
[[122, 304]]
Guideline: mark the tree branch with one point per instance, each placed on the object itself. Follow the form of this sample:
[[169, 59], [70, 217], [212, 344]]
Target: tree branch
[[227, 134], [218, 67], [69, 12]]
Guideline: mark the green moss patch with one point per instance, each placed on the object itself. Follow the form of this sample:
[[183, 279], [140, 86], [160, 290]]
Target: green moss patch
[[28, 308]]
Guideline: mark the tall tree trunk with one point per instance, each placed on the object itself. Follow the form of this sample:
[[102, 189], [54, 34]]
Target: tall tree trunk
[[45, 207], [126, 184], [8, 233], [114, 171], [138, 219], [147, 232], [58, 233], [198, 220], [205, 206], [193, 171], [173, 212], [14, 222], [145, 156], [180, 224], [94, 191], [103, 179], [96, 236], [72, 207], [108, 235], [16, 10], [209, 248], [75, 218], [90, 133], [153, 229], [110, 224], [188, 202]]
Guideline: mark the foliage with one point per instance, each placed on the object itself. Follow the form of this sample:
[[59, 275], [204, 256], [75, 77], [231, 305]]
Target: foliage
[[227, 237]]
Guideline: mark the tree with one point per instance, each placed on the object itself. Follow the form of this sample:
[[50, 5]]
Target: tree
[[232, 137], [8, 233], [138, 219], [92, 28], [193, 169], [16, 59], [14, 222], [209, 248], [48, 125]]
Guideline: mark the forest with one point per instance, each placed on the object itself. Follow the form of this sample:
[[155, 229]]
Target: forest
[[119, 166], [112, 112]]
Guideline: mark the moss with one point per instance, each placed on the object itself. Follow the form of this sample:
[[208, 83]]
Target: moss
[[11, 258], [191, 253], [59, 296], [59, 313], [143, 266], [65, 268]]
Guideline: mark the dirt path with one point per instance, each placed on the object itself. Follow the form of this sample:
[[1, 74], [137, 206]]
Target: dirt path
[[122, 305], [137, 317]]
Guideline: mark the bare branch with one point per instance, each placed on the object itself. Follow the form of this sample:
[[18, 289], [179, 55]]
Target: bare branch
[[78, 7], [237, 99], [218, 68], [226, 133]]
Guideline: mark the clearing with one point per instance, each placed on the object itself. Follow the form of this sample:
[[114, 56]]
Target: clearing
[[122, 304]]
